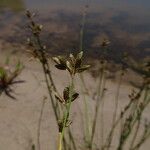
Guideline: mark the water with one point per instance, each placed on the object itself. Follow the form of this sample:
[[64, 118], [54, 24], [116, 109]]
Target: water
[[125, 23], [143, 5]]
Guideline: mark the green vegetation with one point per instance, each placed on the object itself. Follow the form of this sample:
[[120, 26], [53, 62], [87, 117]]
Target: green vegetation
[[15, 5], [7, 78]]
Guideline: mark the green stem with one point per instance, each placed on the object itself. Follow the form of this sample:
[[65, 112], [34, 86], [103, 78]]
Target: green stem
[[86, 119], [116, 105], [137, 114], [135, 135], [60, 141], [67, 112], [39, 125], [82, 30], [117, 99], [102, 113], [97, 107], [48, 77]]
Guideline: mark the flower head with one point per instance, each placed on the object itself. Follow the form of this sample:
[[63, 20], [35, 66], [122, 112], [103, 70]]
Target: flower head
[[73, 63], [67, 96]]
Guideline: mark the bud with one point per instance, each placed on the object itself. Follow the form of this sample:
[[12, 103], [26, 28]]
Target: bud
[[28, 14], [40, 27], [105, 43]]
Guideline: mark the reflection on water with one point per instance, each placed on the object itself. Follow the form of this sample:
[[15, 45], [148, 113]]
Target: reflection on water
[[121, 21], [15, 5]]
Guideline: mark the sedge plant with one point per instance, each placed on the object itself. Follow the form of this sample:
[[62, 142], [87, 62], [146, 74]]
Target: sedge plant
[[73, 65]]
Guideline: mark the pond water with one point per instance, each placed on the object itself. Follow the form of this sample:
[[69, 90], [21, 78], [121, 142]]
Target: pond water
[[125, 23], [128, 5]]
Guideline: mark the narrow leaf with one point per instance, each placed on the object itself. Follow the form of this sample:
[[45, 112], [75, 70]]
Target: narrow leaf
[[75, 96], [56, 60], [79, 55], [83, 68], [60, 99], [69, 67], [66, 93], [60, 66]]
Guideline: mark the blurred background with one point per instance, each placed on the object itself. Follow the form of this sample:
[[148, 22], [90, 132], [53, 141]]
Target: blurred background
[[125, 24]]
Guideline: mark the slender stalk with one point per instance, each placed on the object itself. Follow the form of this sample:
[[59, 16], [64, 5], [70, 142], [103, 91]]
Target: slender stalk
[[102, 112], [126, 109], [117, 99], [87, 130], [109, 137], [50, 94], [124, 137], [138, 123], [116, 104], [145, 135], [60, 141], [137, 114], [72, 139], [39, 125], [48, 77], [142, 140], [135, 135], [82, 28], [66, 113], [49, 80], [47, 73], [86, 112], [87, 125], [97, 106]]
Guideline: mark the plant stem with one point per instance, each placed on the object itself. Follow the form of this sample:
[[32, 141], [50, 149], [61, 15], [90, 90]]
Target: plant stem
[[109, 137], [60, 141], [39, 125], [142, 140], [67, 112], [82, 28], [47, 73], [122, 114], [72, 139], [97, 106], [135, 135], [86, 118], [102, 111], [137, 114], [87, 130], [116, 105], [117, 99]]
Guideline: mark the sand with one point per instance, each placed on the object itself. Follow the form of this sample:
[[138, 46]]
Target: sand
[[19, 118]]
